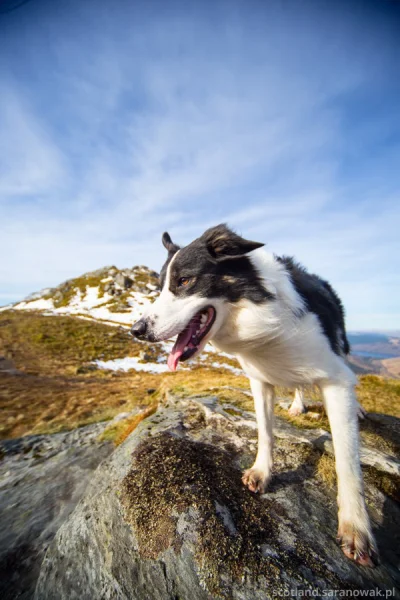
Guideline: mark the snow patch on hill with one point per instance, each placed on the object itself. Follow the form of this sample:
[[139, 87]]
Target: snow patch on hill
[[119, 298], [110, 295], [131, 362], [40, 304]]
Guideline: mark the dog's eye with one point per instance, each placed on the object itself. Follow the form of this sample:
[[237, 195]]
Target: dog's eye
[[183, 281]]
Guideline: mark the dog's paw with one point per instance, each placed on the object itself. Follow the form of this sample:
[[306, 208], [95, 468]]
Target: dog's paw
[[358, 545], [256, 480], [295, 411]]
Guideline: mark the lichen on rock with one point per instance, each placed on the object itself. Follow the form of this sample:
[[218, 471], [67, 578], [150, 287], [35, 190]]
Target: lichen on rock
[[167, 517]]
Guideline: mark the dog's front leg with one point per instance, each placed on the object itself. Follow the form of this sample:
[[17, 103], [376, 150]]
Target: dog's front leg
[[354, 533], [257, 478]]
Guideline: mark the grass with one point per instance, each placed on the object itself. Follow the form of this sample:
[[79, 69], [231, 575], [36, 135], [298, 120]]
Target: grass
[[379, 395], [388, 484], [120, 304], [325, 470], [119, 431], [52, 387], [55, 388], [40, 344], [47, 404], [306, 420]]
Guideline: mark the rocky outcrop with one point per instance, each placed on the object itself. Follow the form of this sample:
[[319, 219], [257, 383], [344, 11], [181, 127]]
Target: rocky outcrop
[[115, 283], [166, 517], [42, 478]]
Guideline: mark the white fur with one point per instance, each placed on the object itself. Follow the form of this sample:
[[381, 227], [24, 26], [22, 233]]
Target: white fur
[[297, 407], [276, 279], [264, 397], [170, 314], [341, 406], [271, 342], [275, 345]]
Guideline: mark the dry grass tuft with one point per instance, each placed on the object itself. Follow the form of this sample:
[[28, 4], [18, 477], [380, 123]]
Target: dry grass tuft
[[388, 484], [130, 424], [325, 470], [306, 420], [382, 439]]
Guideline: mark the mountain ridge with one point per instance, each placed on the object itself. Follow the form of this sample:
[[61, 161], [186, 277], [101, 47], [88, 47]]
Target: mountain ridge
[[108, 294]]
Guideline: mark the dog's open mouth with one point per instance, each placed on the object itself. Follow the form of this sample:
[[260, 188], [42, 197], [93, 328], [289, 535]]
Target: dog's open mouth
[[189, 340]]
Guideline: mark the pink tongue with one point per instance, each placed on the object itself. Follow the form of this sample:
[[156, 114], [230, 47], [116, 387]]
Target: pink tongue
[[179, 347]]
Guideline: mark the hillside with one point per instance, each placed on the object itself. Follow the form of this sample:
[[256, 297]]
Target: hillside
[[118, 297], [69, 367], [392, 367], [67, 359], [375, 346], [109, 295], [59, 372], [377, 353]]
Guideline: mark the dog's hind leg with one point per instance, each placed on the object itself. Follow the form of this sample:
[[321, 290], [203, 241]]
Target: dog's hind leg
[[257, 477], [354, 533], [297, 407]]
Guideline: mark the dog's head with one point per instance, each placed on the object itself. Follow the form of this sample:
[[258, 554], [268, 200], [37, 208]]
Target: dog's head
[[198, 284]]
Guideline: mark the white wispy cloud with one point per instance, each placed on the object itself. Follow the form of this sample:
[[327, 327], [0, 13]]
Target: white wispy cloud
[[185, 123], [31, 164]]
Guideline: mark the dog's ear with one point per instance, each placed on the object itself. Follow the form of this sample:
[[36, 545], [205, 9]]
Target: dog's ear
[[168, 243], [224, 244]]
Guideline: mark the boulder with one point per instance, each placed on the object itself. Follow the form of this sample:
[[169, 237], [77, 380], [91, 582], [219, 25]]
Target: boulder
[[166, 517], [123, 280], [42, 478]]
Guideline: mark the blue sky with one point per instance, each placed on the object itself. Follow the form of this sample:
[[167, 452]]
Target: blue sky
[[119, 120]]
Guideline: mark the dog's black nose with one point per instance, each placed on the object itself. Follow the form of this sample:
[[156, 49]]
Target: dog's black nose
[[139, 329]]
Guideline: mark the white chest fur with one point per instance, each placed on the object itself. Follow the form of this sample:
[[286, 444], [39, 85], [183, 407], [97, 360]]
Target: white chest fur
[[279, 349]]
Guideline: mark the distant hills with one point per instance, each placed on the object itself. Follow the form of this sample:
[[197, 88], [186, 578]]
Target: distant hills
[[377, 344], [375, 353]]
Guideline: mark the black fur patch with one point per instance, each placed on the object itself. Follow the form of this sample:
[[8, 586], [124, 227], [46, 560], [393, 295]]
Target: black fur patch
[[321, 299], [216, 268]]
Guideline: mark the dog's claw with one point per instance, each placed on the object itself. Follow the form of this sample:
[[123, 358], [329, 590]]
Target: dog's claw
[[361, 412], [358, 546], [256, 480]]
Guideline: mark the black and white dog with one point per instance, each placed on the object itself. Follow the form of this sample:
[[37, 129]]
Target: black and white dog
[[286, 327]]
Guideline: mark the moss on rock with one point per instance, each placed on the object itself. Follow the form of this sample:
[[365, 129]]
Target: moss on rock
[[171, 476]]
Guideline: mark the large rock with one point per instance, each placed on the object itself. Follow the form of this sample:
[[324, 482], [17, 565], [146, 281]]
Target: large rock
[[123, 280], [42, 478], [166, 517]]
